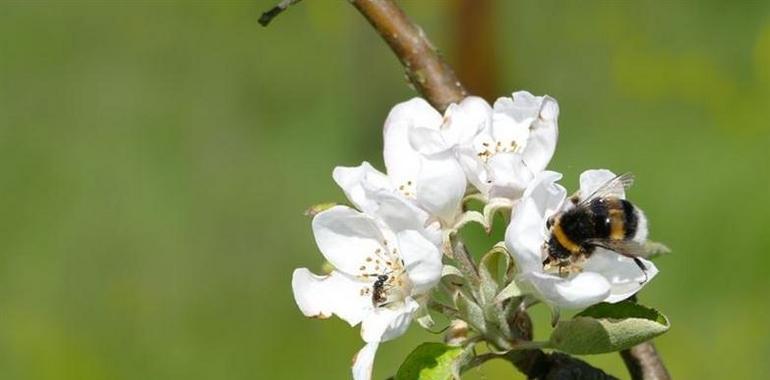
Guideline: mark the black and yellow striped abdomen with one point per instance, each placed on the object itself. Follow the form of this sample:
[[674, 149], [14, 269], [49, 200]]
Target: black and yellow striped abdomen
[[601, 218]]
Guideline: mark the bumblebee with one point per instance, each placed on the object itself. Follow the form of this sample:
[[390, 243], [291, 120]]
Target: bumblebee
[[601, 219]]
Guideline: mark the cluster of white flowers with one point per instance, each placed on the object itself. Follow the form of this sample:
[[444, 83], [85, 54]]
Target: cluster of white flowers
[[387, 251]]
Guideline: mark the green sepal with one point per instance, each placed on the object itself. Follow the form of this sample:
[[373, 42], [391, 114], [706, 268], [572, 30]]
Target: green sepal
[[471, 312], [493, 272], [319, 208]]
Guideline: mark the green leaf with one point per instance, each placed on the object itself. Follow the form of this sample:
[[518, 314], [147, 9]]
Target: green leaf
[[430, 361], [608, 327]]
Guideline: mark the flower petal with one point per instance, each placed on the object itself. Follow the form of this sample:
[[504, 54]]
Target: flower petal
[[441, 187], [524, 237], [401, 160], [321, 296], [591, 180], [464, 120], [476, 170], [357, 183], [427, 141], [526, 232], [548, 194], [345, 237], [422, 260], [363, 362], [373, 193], [624, 276], [509, 175], [386, 323], [582, 290], [512, 117], [543, 135]]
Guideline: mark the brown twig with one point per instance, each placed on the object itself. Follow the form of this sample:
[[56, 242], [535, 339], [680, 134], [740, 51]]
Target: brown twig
[[643, 362], [270, 14], [536, 364], [430, 75]]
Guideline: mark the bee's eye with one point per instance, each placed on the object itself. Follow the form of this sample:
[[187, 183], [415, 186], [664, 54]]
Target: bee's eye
[[549, 223]]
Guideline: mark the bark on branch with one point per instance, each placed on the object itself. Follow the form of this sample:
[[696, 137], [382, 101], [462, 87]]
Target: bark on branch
[[643, 362], [536, 364], [430, 75]]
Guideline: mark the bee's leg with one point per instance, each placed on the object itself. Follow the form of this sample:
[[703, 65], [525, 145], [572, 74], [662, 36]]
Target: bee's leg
[[643, 267], [547, 263]]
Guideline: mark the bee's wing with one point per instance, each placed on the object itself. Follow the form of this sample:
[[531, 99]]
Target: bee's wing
[[628, 248], [613, 188]]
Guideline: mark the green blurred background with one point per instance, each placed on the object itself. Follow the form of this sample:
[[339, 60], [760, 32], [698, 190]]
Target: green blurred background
[[156, 157]]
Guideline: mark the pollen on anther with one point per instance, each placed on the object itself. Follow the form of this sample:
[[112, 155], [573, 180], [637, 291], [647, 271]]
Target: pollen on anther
[[369, 259], [363, 267]]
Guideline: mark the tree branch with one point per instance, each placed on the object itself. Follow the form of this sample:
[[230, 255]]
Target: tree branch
[[270, 14], [430, 75], [643, 362], [536, 364]]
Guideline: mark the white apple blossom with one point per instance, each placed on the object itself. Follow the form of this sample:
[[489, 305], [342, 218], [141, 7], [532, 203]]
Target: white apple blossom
[[366, 252], [606, 276], [421, 152], [507, 153], [374, 193]]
